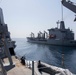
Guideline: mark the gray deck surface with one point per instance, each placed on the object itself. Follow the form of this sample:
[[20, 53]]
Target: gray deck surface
[[17, 68]]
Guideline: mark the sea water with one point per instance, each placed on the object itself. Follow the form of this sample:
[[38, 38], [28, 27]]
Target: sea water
[[60, 56]]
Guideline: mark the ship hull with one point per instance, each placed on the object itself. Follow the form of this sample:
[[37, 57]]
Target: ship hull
[[71, 43]]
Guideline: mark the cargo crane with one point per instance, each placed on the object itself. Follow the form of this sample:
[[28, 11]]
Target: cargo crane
[[45, 34], [40, 34], [32, 35], [70, 5]]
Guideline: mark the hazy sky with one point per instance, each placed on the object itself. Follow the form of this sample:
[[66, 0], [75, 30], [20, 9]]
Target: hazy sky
[[26, 16]]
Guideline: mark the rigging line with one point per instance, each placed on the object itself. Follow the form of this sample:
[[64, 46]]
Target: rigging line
[[62, 12], [67, 16]]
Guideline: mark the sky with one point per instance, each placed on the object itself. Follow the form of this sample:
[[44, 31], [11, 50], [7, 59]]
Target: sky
[[26, 16]]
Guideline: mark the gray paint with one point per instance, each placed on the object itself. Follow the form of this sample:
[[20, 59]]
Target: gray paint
[[57, 36]]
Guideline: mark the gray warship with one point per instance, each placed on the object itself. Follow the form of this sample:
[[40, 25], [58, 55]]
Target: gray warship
[[57, 36], [7, 45]]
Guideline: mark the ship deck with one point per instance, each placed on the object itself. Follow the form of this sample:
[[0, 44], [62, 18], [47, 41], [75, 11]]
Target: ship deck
[[17, 68]]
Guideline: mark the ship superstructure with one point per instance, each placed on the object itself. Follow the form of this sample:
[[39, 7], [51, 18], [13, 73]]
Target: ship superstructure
[[6, 44], [61, 33]]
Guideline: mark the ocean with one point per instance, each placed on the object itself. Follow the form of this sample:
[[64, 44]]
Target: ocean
[[59, 56]]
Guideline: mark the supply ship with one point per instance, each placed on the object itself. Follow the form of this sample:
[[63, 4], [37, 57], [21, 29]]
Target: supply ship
[[57, 36]]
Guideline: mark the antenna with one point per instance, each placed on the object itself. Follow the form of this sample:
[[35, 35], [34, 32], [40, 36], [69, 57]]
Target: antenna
[[57, 23], [62, 12]]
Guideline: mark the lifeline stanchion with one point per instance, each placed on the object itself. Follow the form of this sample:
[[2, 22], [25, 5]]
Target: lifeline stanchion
[[32, 67]]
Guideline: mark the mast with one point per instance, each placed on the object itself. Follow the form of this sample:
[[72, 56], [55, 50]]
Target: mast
[[62, 12], [62, 25]]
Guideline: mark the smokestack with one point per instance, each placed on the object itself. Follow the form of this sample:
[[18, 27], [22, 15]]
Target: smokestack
[[62, 25]]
